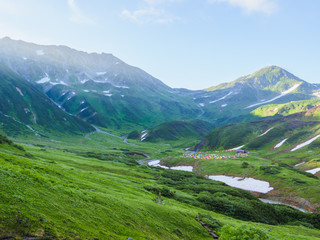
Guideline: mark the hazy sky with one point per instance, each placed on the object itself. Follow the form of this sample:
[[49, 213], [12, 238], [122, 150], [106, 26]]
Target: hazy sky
[[185, 43]]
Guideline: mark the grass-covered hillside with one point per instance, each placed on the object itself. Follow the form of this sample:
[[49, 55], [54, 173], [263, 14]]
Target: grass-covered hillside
[[185, 133], [287, 108], [63, 193]]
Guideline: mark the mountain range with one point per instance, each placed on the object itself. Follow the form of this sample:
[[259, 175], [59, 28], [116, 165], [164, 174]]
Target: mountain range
[[102, 90]]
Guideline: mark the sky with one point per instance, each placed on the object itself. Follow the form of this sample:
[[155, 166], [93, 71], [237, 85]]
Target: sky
[[190, 44]]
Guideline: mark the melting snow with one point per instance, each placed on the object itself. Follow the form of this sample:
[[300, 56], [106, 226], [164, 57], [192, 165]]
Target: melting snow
[[201, 104], [297, 165], [224, 105], [100, 73], [108, 95], [265, 132], [44, 80], [249, 184], [63, 83], [106, 91], [237, 148], [280, 143], [86, 90], [277, 97], [83, 109], [19, 91], [183, 168], [305, 143], [313, 171], [317, 94], [84, 81], [40, 52], [156, 163], [222, 97], [122, 87], [144, 135]]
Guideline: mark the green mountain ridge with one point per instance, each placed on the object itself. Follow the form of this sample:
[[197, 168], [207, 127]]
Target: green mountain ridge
[[104, 91], [98, 88]]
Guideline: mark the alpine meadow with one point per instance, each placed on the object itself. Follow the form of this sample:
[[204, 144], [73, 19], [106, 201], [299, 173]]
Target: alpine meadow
[[94, 148]]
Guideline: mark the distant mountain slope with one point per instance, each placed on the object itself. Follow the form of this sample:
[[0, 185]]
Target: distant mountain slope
[[103, 90], [285, 108], [25, 109], [269, 85], [99, 88], [175, 130], [291, 130]]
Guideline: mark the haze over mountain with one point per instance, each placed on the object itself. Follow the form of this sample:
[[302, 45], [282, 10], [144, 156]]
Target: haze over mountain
[[103, 90]]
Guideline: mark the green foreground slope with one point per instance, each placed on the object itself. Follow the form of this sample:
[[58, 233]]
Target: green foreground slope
[[66, 194]]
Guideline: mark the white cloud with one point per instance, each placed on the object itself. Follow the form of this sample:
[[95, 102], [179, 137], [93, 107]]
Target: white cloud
[[157, 2], [265, 6], [148, 15], [77, 15], [153, 12]]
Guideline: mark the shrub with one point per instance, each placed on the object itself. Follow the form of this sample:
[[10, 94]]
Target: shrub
[[244, 165], [211, 222], [270, 170], [242, 232]]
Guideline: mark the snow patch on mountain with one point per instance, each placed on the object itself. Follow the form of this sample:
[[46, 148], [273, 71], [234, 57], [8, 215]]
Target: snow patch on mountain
[[265, 132], [19, 91], [313, 171], [221, 98], [44, 80], [277, 97], [122, 87], [280, 143], [83, 109], [305, 143], [84, 81], [156, 163], [224, 105], [298, 164], [249, 184], [144, 134], [100, 73], [237, 148], [201, 104]]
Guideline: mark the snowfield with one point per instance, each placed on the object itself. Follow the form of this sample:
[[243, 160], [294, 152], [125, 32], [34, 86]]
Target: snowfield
[[249, 184], [19, 91], [156, 163], [221, 98], [277, 97], [305, 143], [313, 171], [237, 148], [280, 143], [265, 132]]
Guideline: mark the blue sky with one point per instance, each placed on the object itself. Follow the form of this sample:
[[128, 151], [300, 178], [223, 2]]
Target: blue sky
[[185, 43]]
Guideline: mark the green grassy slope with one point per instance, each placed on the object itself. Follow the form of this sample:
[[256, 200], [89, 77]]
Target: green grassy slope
[[180, 131], [60, 194], [286, 108], [23, 105]]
